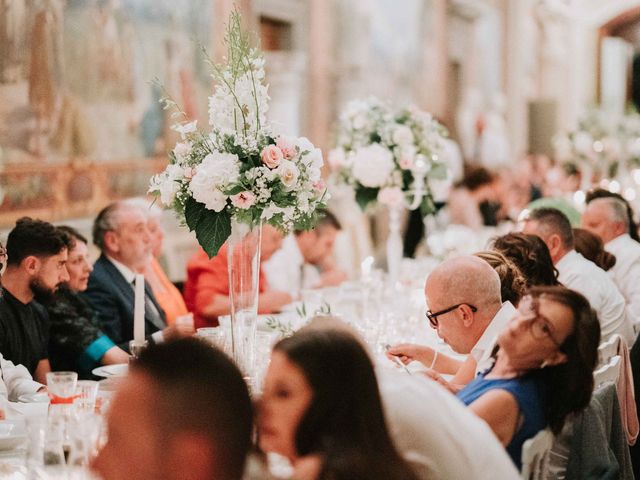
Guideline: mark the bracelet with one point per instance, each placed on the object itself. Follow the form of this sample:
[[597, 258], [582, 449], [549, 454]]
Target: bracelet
[[433, 362]]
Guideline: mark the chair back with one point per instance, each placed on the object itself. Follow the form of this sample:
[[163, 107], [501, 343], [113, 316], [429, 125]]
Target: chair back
[[608, 372], [535, 455], [608, 349]]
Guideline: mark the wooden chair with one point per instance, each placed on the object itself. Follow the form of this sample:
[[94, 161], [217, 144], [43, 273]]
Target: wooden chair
[[535, 455]]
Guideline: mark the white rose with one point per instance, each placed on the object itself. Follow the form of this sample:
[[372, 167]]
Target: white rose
[[304, 144], [288, 173], [313, 159], [402, 135], [372, 165]]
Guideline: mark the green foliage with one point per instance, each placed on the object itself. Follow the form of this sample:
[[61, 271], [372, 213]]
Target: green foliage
[[212, 228], [366, 195], [427, 207]]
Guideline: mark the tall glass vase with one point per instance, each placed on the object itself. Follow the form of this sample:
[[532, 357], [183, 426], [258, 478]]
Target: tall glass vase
[[394, 244], [243, 256]]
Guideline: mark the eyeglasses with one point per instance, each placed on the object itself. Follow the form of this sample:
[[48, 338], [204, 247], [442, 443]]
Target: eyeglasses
[[433, 317], [539, 325]]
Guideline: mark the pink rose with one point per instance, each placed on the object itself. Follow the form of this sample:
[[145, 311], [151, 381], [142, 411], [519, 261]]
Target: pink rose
[[243, 200], [271, 156], [319, 186], [287, 146], [189, 172]]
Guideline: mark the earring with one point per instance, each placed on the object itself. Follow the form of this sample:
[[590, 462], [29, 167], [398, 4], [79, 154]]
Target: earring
[[544, 364]]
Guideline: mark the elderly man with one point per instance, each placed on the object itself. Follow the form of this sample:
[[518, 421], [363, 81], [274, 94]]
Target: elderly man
[[579, 274], [120, 232], [15, 379], [608, 218], [36, 267], [183, 412], [304, 261], [463, 295]]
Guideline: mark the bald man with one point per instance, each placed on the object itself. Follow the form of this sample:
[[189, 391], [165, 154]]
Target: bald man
[[607, 217], [465, 307]]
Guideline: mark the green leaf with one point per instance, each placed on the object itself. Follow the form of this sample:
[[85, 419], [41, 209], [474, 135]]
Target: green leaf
[[193, 211], [366, 195], [213, 229], [427, 207]]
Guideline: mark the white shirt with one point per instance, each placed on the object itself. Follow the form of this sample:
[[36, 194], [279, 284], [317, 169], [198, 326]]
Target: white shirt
[[585, 277], [286, 270], [15, 380], [483, 348], [437, 434], [626, 272]]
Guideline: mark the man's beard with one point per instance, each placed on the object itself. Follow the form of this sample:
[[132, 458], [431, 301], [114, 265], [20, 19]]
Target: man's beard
[[42, 294]]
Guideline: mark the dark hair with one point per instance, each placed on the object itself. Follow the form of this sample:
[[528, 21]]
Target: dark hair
[[325, 219], [568, 386], [602, 193], [105, 222], [531, 255], [73, 234], [512, 282], [345, 422], [202, 390], [34, 237], [590, 246], [476, 177], [553, 221]]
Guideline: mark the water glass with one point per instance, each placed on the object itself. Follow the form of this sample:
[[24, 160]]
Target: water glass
[[86, 394], [62, 386]]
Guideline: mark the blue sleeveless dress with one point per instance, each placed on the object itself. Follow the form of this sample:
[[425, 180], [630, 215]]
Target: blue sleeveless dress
[[528, 394]]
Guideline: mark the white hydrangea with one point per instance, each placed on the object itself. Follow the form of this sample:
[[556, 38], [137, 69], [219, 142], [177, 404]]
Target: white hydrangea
[[372, 165], [219, 169]]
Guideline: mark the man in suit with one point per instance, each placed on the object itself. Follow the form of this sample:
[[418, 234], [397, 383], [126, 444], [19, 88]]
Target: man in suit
[[120, 232]]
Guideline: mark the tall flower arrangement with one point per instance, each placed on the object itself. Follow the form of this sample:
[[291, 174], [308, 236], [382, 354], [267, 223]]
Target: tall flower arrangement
[[386, 154], [238, 169]]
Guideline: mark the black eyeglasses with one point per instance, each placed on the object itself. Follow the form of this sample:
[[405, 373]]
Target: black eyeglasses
[[433, 317], [538, 324]]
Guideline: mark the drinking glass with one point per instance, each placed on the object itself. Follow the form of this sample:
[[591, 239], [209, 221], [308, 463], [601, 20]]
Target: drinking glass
[[215, 336], [62, 387], [86, 394]]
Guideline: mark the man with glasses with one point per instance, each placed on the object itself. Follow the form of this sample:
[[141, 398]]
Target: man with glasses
[[463, 296]]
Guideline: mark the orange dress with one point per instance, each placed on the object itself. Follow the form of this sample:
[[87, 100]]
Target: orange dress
[[167, 295], [205, 279]]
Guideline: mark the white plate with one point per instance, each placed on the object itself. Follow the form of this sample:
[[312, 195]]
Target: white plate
[[12, 434], [37, 397], [117, 370]]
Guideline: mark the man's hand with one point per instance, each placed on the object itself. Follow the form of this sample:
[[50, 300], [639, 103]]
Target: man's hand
[[408, 352], [177, 331]]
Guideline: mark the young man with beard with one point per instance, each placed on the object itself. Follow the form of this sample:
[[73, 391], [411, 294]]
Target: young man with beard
[[36, 266]]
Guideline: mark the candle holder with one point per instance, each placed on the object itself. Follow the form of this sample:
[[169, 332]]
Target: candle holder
[[136, 348]]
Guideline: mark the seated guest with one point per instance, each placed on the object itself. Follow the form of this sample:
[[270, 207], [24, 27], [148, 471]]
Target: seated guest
[[579, 274], [183, 412], [328, 426], [120, 232], [36, 267], [543, 370], [167, 295], [512, 283], [602, 193], [15, 380], [531, 255], [76, 342], [305, 259], [206, 291], [465, 307], [608, 218], [591, 247]]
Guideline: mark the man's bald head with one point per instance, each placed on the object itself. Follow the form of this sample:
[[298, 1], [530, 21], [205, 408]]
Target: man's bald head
[[466, 279]]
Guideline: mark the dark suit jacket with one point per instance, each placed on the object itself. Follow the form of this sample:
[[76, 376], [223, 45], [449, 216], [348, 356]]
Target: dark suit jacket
[[113, 297]]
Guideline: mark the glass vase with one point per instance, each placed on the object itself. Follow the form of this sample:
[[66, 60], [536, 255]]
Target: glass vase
[[243, 256], [394, 244]]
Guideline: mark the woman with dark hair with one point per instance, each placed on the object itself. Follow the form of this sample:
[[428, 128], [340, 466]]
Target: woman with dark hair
[[590, 246], [543, 370], [321, 409], [512, 283], [530, 254], [76, 341]]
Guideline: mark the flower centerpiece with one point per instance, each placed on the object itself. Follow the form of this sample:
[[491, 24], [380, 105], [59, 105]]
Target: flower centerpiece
[[387, 156], [225, 182]]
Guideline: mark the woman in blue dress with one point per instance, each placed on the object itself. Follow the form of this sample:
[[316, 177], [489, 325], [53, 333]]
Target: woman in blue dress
[[543, 369]]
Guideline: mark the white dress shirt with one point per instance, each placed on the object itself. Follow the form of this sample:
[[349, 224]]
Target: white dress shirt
[[585, 277], [286, 270], [626, 272], [483, 348], [15, 380], [437, 435]]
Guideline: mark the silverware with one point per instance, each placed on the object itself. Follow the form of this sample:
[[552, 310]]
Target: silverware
[[397, 360]]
